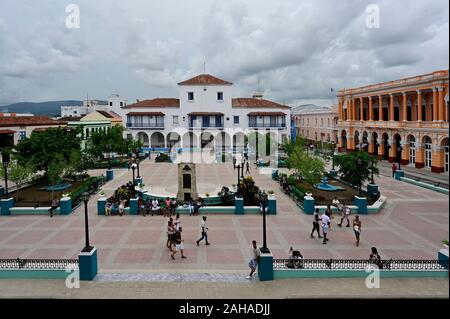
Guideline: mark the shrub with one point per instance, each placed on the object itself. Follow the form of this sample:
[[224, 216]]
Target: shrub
[[163, 158]]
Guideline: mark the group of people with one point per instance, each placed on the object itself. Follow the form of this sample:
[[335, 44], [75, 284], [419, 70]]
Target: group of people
[[324, 220], [174, 239], [244, 163], [115, 205], [165, 207]]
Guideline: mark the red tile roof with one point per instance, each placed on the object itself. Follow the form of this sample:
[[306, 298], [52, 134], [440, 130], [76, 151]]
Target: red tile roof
[[147, 113], [258, 103], [158, 102], [266, 113], [110, 114], [7, 132], [205, 79], [29, 121]]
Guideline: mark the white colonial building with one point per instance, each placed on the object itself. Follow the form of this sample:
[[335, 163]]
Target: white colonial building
[[89, 106], [205, 116]]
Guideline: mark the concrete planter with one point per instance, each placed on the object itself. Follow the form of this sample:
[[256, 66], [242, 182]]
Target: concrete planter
[[88, 264]]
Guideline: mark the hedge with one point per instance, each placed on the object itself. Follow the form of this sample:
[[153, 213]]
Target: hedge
[[85, 187]]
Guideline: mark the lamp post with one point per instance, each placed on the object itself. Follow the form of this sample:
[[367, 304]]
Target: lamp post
[[372, 181], [137, 165], [242, 169], [108, 148], [85, 198], [5, 160], [133, 167], [359, 162], [334, 155], [238, 166], [399, 150], [263, 199]]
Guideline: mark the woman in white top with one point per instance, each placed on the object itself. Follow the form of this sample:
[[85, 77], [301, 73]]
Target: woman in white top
[[155, 207], [122, 207]]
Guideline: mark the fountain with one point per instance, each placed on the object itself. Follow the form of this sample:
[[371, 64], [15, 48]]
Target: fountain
[[324, 186]]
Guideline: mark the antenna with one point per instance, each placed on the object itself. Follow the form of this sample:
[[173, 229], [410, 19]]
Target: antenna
[[204, 67]]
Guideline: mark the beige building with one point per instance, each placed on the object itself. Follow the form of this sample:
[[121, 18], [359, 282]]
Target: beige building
[[404, 119], [316, 123], [16, 128]]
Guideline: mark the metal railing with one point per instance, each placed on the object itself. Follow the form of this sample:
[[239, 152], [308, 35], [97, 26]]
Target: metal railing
[[274, 125], [38, 264], [145, 125], [359, 264]]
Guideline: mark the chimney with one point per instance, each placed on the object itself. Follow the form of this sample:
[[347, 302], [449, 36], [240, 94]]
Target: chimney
[[258, 95]]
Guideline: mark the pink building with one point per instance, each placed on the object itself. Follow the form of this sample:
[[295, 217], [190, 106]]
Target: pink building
[[316, 123]]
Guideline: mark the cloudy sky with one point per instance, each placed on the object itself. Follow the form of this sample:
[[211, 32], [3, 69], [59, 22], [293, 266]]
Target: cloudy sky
[[298, 49]]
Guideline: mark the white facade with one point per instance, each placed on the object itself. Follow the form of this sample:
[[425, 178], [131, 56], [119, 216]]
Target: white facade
[[114, 101], [204, 109]]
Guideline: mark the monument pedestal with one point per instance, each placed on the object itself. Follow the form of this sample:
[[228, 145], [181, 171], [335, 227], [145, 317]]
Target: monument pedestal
[[265, 267], [187, 182]]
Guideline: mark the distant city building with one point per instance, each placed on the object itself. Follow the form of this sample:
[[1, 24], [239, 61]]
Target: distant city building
[[411, 113], [95, 122], [205, 113], [16, 128], [316, 123], [89, 106]]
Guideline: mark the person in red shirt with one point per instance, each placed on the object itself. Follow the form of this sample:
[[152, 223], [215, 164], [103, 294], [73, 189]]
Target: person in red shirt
[[394, 169]]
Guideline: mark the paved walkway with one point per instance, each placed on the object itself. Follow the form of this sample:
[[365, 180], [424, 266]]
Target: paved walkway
[[278, 289], [412, 225]]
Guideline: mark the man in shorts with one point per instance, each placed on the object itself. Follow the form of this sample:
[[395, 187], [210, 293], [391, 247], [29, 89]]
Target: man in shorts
[[253, 263], [346, 211], [178, 244], [326, 221]]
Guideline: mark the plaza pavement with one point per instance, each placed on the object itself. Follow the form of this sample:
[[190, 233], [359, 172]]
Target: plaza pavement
[[411, 226]]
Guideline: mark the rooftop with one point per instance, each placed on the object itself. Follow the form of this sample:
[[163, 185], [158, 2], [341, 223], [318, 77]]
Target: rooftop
[[29, 121], [256, 103], [205, 79], [158, 102]]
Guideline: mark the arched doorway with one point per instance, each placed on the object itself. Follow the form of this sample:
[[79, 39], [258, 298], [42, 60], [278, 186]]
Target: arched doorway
[[375, 143], [173, 139], [397, 143], [206, 140], [190, 140], [344, 140], [357, 141], [387, 146], [365, 141], [428, 151], [412, 149], [157, 140], [239, 140], [143, 137], [446, 155]]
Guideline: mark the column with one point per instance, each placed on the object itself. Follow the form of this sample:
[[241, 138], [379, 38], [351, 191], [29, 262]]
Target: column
[[435, 104], [371, 145], [353, 109], [419, 106], [392, 151], [391, 107], [413, 108], [437, 159], [340, 113], [361, 109], [405, 153], [420, 153], [428, 113], [370, 109], [405, 107], [381, 148], [380, 108], [441, 108]]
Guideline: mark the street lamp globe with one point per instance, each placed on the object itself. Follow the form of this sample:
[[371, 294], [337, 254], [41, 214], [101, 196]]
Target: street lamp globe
[[85, 197]]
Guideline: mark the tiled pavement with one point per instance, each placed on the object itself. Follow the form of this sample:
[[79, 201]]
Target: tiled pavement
[[412, 225]]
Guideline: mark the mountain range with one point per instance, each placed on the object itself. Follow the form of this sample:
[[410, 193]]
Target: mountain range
[[50, 108]]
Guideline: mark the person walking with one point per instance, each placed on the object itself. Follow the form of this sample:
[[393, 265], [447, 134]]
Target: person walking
[[178, 244], [394, 169], [375, 258], [234, 163], [346, 211], [191, 207], [247, 167], [325, 227], [316, 226], [170, 232], [55, 204], [253, 263], [357, 229], [173, 206], [204, 232], [177, 222]]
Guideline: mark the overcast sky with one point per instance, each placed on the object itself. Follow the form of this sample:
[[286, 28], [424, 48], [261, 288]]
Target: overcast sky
[[299, 49]]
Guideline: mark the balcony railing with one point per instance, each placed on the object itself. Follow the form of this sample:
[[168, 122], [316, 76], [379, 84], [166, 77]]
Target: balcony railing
[[38, 264], [274, 125], [145, 125], [206, 126], [359, 264]]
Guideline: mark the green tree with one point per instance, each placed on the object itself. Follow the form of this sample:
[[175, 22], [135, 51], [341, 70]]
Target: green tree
[[308, 167], [18, 174], [55, 170], [75, 164], [42, 147], [349, 170]]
